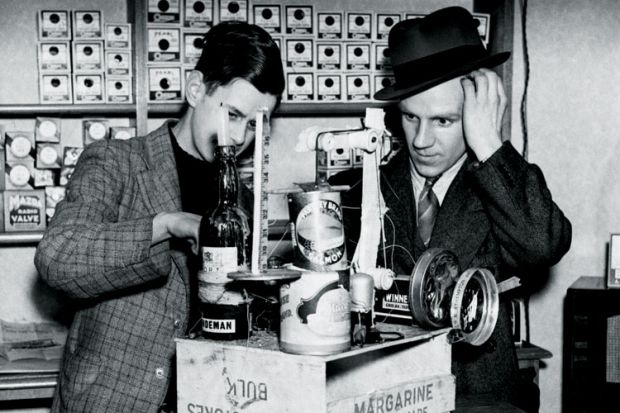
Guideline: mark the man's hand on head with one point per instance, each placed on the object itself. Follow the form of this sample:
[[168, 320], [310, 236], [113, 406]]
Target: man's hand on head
[[483, 111]]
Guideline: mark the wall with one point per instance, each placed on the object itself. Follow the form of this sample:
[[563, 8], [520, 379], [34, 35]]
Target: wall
[[573, 124]]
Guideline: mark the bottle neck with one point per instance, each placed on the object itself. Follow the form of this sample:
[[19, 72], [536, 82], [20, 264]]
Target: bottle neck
[[228, 175]]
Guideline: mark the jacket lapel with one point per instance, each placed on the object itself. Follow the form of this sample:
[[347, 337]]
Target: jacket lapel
[[461, 225], [397, 192], [159, 184]]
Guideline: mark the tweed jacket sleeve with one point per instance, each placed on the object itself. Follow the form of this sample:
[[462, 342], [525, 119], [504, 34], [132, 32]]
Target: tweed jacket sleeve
[[531, 229], [93, 246]]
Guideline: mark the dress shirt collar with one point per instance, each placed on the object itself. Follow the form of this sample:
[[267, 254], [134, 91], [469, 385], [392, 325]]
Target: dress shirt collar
[[443, 183]]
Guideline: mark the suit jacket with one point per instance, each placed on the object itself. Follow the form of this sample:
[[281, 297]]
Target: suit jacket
[[498, 215], [133, 298]]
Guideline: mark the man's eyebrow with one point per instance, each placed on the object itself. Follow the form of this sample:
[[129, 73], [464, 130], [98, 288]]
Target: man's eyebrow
[[447, 115], [236, 111]]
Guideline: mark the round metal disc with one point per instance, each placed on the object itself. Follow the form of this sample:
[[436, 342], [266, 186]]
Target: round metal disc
[[430, 289], [475, 305], [269, 275]]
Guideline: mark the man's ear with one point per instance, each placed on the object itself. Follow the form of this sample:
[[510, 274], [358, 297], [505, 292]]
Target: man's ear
[[194, 88]]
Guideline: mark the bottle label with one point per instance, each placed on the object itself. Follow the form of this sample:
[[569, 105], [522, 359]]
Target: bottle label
[[219, 325], [219, 259]]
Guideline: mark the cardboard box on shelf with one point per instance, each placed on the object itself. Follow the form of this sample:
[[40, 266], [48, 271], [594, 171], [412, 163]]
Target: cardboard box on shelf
[[54, 25], [87, 24], [24, 210]]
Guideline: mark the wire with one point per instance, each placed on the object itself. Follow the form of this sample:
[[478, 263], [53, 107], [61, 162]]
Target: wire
[[273, 250], [379, 198], [526, 81]]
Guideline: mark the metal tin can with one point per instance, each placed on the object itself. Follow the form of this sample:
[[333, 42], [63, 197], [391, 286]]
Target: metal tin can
[[317, 231], [315, 315]]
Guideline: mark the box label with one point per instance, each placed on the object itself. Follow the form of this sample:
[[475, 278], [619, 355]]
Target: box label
[[299, 53], [118, 63], [55, 89], [118, 36], [299, 20], [198, 13], [164, 11], [233, 10], [329, 56], [268, 17], [164, 45], [164, 84], [87, 25], [434, 394], [358, 56], [358, 26], [329, 25], [24, 210], [88, 57], [54, 24], [54, 57]]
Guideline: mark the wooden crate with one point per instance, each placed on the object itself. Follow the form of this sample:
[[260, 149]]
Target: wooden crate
[[409, 375]]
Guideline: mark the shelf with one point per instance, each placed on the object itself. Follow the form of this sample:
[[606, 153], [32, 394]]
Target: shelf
[[28, 110], [327, 108], [20, 238], [287, 108], [175, 109], [278, 229]]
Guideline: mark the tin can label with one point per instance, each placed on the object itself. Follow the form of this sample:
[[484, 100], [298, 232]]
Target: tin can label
[[318, 231], [315, 315]]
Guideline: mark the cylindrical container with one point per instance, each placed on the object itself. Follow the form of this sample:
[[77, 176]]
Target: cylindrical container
[[315, 315], [362, 292], [224, 309], [317, 231]]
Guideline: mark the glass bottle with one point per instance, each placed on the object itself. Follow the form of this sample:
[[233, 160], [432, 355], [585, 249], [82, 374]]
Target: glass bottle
[[223, 241]]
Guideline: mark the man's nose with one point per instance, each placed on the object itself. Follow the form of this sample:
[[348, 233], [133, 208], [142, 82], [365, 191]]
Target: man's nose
[[238, 134], [423, 137]]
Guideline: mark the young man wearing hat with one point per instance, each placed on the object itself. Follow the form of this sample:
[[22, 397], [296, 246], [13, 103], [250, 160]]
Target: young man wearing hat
[[457, 186]]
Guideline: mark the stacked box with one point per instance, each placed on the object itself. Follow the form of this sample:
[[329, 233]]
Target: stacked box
[[24, 210], [198, 14], [167, 50], [94, 130], [164, 11], [359, 26], [193, 42], [54, 57], [54, 25], [118, 63], [78, 52], [233, 10], [88, 25], [299, 20], [118, 36], [269, 17], [122, 132], [330, 25], [384, 23]]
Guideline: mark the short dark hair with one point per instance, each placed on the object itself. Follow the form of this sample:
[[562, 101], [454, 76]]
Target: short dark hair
[[241, 50]]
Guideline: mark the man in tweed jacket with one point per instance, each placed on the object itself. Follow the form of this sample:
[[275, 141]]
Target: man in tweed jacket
[[121, 241], [495, 208]]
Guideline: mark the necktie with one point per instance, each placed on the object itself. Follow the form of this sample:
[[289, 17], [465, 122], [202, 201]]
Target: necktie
[[428, 206]]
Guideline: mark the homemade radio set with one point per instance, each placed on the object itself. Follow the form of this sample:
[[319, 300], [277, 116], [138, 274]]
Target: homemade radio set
[[328, 303]]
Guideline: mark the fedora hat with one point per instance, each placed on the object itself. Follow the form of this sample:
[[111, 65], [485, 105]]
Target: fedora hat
[[428, 51]]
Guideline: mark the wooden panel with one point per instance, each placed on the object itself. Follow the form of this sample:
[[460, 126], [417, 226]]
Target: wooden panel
[[233, 377]]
